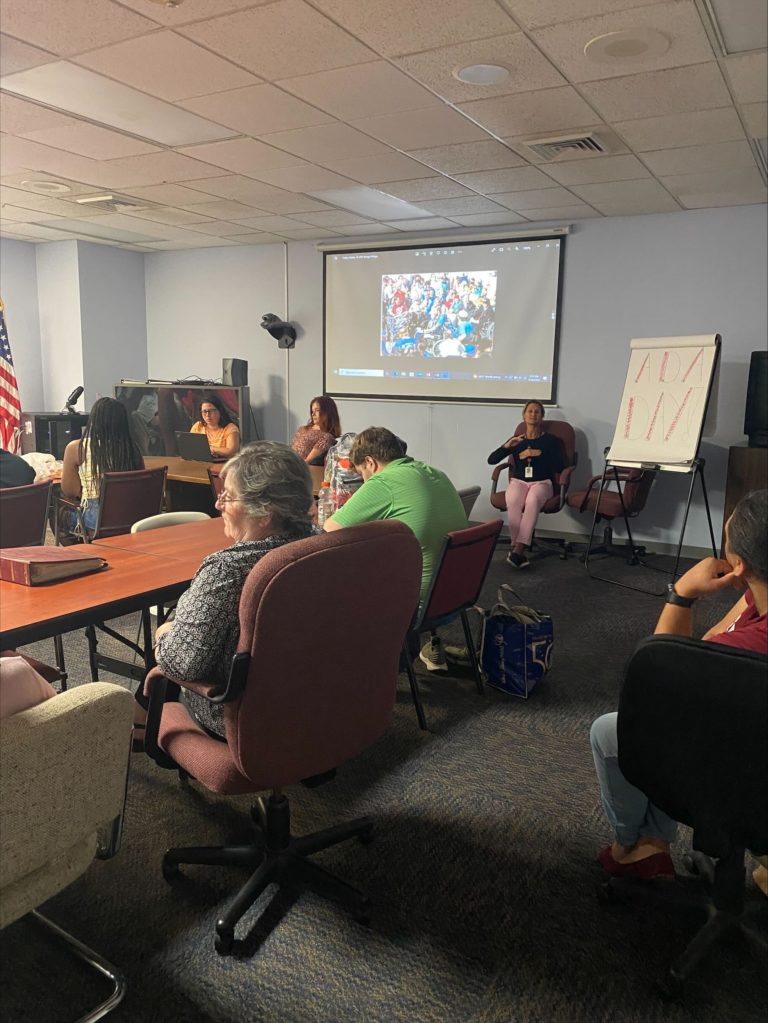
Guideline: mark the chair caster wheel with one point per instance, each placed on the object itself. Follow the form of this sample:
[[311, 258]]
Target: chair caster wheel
[[170, 870], [366, 837], [670, 988], [225, 937]]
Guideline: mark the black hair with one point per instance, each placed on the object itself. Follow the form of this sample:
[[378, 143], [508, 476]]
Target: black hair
[[376, 442], [107, 438], [212, 398], [747, 535]]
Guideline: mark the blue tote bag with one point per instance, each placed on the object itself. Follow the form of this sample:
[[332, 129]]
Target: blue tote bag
[[516, 646]]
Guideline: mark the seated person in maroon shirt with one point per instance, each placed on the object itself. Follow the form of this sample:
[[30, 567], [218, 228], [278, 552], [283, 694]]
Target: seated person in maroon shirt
[[642, 832]]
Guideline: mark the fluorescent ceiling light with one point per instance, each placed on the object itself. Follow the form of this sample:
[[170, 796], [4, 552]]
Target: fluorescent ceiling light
[[75, 90], [369, 202], [741, 26]]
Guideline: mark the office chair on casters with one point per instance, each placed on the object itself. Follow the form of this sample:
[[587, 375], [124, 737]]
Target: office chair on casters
[[628, 499], [692, 737], [455, 587], [564, 432], [468, 497], [295, 711]]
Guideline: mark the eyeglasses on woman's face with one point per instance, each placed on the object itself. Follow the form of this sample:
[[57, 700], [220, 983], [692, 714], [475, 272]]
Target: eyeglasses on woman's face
[[208, 410], [226, 498]]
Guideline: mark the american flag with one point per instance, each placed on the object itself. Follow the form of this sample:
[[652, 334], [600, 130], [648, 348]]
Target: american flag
[[10, 406]]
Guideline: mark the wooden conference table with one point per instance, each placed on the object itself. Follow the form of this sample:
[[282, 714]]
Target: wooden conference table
[[144, 569]]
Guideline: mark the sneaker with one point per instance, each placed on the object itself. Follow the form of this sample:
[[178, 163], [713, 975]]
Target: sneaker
[[458, 655], [432, 655], [517, 560]]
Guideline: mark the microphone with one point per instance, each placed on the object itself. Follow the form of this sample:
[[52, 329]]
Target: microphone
[[74, 396]]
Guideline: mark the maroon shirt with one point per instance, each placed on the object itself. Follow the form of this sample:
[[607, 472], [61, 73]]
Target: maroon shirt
[[748, 632]]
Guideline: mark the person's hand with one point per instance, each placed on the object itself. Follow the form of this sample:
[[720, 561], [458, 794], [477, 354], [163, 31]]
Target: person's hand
[[710, 576], [513, 441], [162, 629]]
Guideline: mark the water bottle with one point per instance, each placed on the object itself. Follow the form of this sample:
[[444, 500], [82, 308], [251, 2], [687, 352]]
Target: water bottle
[[325, 505]]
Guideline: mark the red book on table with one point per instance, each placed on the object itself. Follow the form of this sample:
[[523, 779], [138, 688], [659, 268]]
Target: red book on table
[[31, 566]]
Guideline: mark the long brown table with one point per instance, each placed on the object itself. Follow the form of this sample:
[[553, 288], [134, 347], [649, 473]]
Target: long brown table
[[184, 470]]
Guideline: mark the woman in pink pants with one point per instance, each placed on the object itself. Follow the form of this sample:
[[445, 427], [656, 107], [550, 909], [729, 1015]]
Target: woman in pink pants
[[537, 458]]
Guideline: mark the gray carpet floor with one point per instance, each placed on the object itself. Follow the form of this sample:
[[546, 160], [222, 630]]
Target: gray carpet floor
[[482, 873]]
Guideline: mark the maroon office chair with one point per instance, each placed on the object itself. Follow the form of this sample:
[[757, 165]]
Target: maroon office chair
[[299, 701], [623, 494], [564, 432], [455, 588], [24, 515]]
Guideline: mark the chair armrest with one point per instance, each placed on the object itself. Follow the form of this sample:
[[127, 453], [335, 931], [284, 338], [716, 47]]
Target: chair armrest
[[497, 471], [63, 771]]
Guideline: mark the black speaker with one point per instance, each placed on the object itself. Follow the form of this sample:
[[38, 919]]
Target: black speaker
[[756, 410], [234, 372]]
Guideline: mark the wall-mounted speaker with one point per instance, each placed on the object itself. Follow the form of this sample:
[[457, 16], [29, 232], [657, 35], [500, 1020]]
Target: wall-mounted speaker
[[756, 410], [234, 372]]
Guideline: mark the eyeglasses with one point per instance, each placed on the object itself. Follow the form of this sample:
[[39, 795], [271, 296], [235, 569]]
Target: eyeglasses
[[225, 498], [208, 411]]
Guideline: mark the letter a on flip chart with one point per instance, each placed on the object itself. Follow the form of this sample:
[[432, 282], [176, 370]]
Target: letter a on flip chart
[[666, 392]]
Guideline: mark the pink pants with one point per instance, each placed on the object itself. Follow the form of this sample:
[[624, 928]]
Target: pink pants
[[524, 502]]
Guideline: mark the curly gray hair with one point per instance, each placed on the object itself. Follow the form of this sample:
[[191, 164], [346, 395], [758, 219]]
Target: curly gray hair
[[272, 480]]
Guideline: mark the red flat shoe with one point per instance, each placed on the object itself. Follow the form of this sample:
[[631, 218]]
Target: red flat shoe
[[658, 865]]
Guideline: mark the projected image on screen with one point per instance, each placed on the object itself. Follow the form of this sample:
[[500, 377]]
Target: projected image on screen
[[438, 315]]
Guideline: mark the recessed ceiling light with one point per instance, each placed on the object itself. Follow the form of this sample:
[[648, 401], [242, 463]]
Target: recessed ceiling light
[[627, 45], [167, 3], [481, 74], [46, 187]]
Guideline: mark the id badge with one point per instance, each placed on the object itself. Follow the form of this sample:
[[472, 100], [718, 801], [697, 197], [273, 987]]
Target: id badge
[[529, 472]]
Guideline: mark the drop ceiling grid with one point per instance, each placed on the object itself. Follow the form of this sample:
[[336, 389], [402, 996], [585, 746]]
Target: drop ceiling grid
[[320, 121]]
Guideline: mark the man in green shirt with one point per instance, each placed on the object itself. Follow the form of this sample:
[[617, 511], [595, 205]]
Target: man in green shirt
[[397, 487]]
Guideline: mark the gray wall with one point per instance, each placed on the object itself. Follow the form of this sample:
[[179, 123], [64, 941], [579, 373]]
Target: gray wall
[[18, 289], [58, 290]]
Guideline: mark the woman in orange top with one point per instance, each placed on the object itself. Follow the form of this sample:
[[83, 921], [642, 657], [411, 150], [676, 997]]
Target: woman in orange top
[[215, 421], [312, 441]]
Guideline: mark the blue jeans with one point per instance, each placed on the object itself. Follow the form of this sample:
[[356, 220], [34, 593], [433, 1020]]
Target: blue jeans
[[629, 811], [90, 512]]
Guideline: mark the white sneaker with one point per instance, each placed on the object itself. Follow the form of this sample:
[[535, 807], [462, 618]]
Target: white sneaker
[[432, 655]]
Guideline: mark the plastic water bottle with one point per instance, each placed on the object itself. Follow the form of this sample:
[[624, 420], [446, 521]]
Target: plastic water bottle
[[325, 504]]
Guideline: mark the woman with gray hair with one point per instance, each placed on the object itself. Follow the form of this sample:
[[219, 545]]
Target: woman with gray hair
[[265, 502]]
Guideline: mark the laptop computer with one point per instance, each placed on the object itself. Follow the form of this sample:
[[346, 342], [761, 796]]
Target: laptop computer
[[195, 448]]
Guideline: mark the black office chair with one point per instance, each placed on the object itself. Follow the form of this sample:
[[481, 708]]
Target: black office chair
[[692, 736]]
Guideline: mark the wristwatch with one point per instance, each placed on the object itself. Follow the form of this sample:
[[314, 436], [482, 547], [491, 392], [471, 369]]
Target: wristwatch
[[673, 597]]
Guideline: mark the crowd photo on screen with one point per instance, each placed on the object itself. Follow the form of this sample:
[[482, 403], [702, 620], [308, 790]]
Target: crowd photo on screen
[[438, 315]]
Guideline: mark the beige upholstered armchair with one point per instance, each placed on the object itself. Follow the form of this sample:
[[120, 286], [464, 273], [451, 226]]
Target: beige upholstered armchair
[[63, 771]]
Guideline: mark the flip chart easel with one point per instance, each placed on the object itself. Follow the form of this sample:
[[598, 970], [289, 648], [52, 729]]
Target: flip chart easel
[[661, 418]]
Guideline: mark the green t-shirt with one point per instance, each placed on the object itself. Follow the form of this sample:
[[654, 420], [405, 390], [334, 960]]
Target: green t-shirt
[[416, 494]]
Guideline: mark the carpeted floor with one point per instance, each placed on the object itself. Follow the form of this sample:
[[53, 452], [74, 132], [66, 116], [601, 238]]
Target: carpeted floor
[[482, 874]]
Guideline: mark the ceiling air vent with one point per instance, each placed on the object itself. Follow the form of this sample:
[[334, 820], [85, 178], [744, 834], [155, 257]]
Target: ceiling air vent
[[109, 202], [573, 145]]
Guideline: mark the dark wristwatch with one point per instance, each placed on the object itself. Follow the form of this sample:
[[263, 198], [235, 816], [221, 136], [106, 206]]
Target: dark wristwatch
[[673, 597]]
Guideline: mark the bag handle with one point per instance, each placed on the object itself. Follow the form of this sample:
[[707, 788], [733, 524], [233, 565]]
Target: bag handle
[[500, 594]]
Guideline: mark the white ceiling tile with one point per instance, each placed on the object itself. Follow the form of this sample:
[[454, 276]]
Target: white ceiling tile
[[328, 140], [360, 91], [718, 188], [221, 228], [18, 56], [366, 229], [308, 178], [748, 74], [756, 119], [534, 13], [196, 241], [168, 195], [157, 169], [653, 94], [257, 110], [168, 215], [369, 170], [72, 27], [425, 188], [422, 224], [21, 153], [27, 216], [536, 198], [60, 207], [190, 10], [675, 130], [468, 156], [257, 238], [720, 156], [92, 141], [166, 65], [678, 21], [466, 204], [606, 168], [416, 129], [308, 233], [488, 219], [235, 186], [402, 26], [625, 198], [283, 35], [578, 211], [18, 116], [223, 209], [548, 110], [38, 232], [369, 202], [333, 218], [22, 181], [244, 156], [515, 179], [528, 68], [273, 224]]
